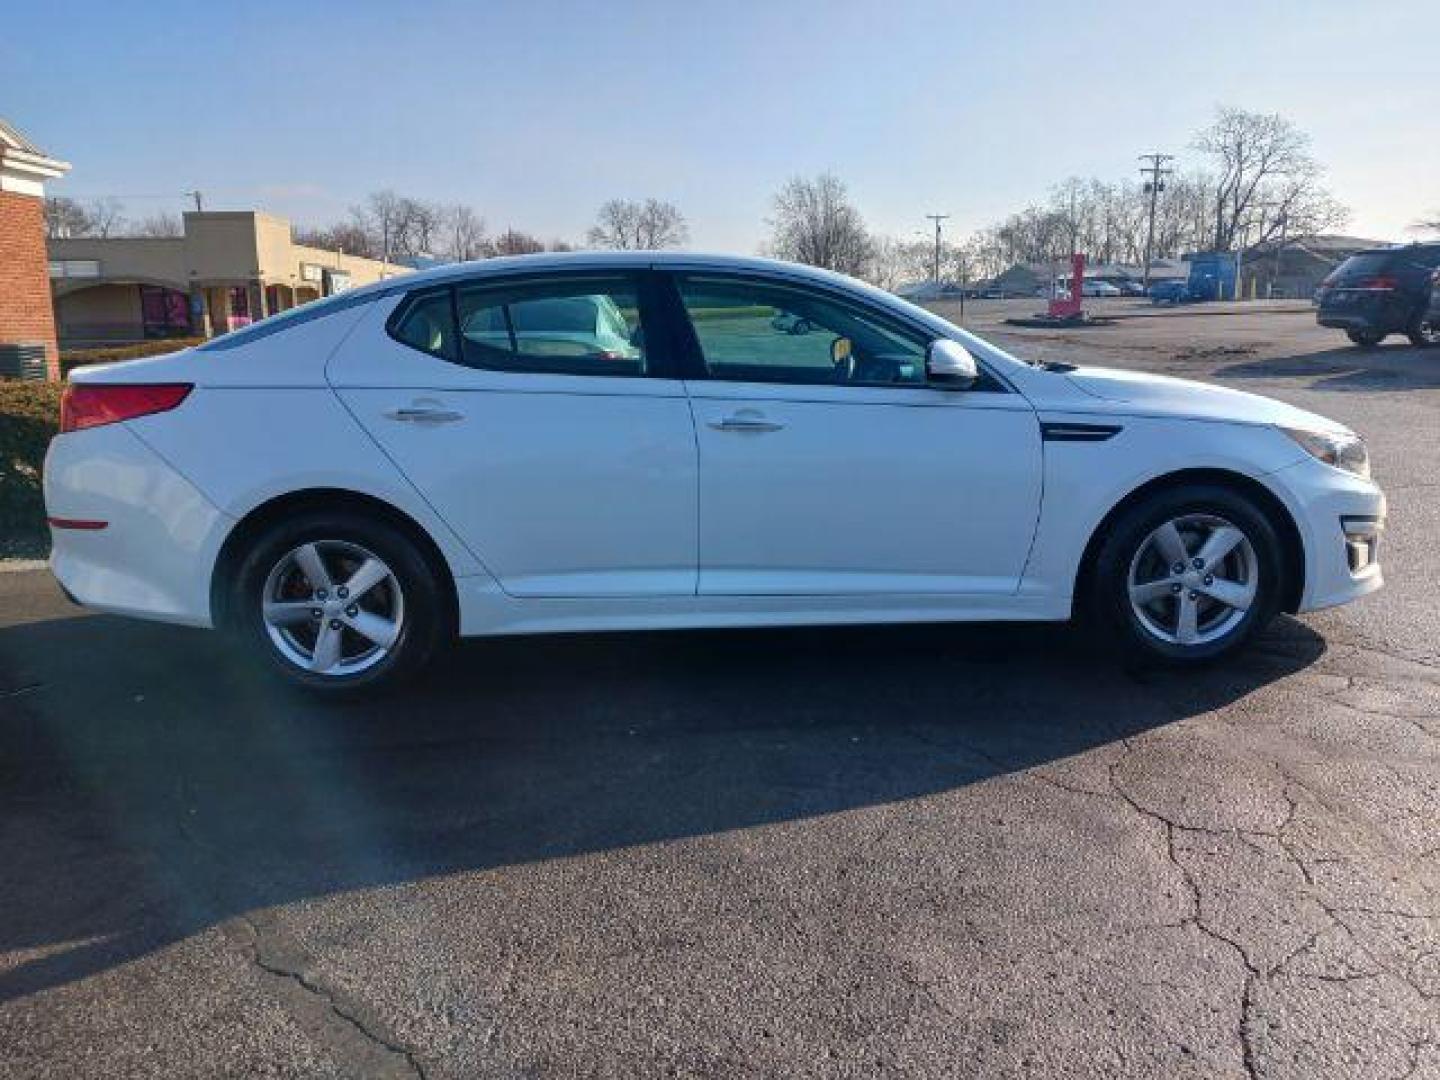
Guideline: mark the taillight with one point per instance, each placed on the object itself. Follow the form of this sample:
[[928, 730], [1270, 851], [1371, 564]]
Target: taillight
[[87, 405]]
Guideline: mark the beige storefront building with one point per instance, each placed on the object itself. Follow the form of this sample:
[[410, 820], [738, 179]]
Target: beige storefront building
[[229, 269]]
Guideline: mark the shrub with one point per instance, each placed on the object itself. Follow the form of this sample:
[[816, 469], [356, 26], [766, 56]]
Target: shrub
[[29, 416], [108, 354]]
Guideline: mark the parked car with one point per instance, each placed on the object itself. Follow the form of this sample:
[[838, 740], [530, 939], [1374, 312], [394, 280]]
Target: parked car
[[1173, 291], [1432, 313], [1380, 292], [789, 323], [1130, 288], [347, 486], [570, 326], [1096, 287]]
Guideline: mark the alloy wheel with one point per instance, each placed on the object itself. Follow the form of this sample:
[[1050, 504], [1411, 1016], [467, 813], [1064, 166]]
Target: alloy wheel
[[332, 608], [1193, 579]]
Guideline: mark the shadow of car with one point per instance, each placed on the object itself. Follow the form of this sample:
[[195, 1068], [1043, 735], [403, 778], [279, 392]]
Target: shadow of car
[[170, 790]]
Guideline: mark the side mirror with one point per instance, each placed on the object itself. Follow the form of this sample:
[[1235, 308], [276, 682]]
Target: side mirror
[[950, 364]]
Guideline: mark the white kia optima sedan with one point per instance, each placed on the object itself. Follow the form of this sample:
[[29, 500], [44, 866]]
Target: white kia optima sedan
[[636, 441]]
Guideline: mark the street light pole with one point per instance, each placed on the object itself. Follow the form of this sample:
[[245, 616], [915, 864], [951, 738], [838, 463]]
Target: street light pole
[[1155, 185], [937, 218]]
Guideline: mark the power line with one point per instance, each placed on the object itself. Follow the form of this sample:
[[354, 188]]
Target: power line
[[1156, 184]]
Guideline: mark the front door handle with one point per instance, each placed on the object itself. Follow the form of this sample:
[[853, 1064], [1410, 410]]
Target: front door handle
[[745, 420], [425, 414]]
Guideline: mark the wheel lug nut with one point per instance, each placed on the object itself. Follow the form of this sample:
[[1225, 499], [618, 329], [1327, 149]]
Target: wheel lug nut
[[1194, 595], [320, 594], [315, 613], [334, 624], [342, 592], [352, 611], [1179, 568], [1209, 579], [1199, 564], [1175, 587]]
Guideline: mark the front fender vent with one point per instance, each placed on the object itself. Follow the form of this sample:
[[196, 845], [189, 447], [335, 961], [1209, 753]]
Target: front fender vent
[[1064, 431]]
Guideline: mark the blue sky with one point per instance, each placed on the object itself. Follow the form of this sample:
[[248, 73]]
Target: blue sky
[[535, 112]]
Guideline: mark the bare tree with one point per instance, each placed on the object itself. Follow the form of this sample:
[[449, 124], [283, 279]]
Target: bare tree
[[815, 223], [346, 236], [106, 216], [163, 224], [464, 234], [66, 218], [421, 227], [511, 242], [1265, 177], [638, 226]]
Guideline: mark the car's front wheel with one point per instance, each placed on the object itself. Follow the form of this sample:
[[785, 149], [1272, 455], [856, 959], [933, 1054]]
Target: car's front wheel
[[1365, 338], [1188, 574], [339, 602]]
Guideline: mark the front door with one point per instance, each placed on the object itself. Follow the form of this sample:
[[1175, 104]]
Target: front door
[[828, 466], [535, 418]]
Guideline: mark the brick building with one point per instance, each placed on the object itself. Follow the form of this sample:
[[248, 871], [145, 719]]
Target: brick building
[[26, 315]]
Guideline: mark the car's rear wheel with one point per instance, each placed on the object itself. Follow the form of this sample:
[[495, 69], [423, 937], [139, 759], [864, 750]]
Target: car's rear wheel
[[339, 602], [1365, 338], [1188, 574], [1424, 332]]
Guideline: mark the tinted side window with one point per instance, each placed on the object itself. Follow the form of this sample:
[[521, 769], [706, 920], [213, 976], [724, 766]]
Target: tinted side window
[[769, 332], [427, 323], [566, 326]]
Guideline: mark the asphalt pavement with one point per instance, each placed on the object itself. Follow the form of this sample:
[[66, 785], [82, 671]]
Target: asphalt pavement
[[911, 851]]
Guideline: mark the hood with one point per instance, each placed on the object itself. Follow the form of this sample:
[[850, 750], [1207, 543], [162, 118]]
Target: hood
[[1140, 393]]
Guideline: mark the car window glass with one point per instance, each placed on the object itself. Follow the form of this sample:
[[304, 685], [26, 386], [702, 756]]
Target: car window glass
[[427, 324], [574, 326], [762, 332]]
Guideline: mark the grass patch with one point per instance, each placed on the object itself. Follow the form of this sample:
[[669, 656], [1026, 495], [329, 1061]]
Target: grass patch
[[29, 417]]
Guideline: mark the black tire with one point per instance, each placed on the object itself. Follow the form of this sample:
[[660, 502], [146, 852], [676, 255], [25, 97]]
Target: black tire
[[1109, 601], [1424, 332], [424, 619], [1366, 339]]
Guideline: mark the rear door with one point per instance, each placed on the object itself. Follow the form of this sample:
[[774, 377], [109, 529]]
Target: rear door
[[541, 418]]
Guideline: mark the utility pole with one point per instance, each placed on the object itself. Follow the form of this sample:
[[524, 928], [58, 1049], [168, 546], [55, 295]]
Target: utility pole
[[937, 218], [1279, 253], [1153, 186], [199, 200]]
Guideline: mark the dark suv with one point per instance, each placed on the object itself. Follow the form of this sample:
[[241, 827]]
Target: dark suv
[[1382, 291]]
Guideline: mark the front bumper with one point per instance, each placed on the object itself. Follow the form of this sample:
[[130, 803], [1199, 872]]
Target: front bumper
[[1341, 518], [153, 555]]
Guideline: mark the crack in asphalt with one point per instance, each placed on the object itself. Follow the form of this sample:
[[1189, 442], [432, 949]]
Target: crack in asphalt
[[1197, 919], [396, 1060], [316, 1001]]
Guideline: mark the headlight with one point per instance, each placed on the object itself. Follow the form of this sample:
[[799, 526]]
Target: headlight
[[1343, 450]]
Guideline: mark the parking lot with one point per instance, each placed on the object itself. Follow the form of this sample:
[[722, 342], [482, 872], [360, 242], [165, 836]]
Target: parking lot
[[916, 851]]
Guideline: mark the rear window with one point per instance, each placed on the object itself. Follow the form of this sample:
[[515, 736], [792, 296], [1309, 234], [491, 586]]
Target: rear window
[[1364, 264]]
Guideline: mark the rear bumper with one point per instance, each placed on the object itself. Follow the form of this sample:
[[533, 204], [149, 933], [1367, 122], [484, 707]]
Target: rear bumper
[[1382, 312], [1341, 518], [160, 538]]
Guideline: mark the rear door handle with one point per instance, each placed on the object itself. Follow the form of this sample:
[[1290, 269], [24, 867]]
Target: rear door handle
[[745, 420], [425, 415]]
